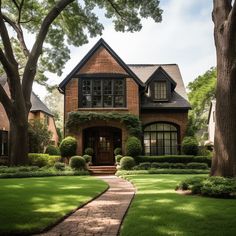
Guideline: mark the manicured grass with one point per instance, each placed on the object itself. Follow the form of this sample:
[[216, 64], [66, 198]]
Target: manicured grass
[[30, 204], [158, 210]]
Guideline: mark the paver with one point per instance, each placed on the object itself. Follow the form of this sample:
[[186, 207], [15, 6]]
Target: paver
[[101, 217]]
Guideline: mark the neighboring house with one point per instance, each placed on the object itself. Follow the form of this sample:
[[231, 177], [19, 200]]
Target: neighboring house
[[211, 123], [102, 82], [38, 111]]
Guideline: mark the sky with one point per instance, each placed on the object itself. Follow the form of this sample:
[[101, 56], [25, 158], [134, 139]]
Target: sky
[[184, 37]]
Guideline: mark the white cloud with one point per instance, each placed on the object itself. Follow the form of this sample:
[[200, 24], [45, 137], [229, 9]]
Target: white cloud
[[185, 37]]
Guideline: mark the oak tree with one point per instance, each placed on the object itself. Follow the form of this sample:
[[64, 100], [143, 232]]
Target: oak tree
[[224, 18], [52, 26]]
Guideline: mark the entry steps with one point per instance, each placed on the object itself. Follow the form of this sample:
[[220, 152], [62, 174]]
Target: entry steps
[[102, 170]]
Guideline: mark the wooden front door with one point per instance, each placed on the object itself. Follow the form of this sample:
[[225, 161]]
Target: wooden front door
[[104, 148], [103, 140]]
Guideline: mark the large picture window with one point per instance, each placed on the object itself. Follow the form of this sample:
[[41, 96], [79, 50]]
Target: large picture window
[[160, 139], [160, 90], [3, 143], [103, 93]]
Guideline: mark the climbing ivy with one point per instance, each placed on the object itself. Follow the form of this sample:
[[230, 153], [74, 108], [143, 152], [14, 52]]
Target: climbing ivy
[[131, 122]]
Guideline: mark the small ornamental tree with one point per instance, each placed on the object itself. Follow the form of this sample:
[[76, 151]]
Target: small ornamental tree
[[68, 147], [39, 136]]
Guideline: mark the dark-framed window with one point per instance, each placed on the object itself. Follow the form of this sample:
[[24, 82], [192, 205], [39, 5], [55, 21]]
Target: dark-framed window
[[3, 143], [160, 90], [102, 92], [161, 139]]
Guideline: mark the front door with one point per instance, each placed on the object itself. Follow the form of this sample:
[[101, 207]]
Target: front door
[[103, 140], [104, 149]]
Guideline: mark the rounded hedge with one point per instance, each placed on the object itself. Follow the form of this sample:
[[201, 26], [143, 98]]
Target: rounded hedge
[[118, 151], [87, 158], [77, 163], [52, 150], [127, 163], [118, 158], [88, 151], [133, 146], [59, 166], [190, 146], [68, 147]]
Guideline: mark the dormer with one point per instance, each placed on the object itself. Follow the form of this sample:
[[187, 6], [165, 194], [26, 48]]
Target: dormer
[[160, 86]]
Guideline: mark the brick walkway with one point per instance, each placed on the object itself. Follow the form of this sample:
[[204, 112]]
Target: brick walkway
[[101, 217]]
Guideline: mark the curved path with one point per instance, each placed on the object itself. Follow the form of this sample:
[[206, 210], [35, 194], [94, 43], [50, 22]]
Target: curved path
[[101, 217]]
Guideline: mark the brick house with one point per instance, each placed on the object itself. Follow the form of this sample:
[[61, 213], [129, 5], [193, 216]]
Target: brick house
[[38, 111], [103, 83]]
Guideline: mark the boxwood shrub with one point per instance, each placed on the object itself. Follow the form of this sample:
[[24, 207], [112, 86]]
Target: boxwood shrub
[[77, 163], [53, 150], [190, 146], [68, 147], [210, 186], [118, 158], [133, 146], [38, 159], [127, 163], [194, 165], [118, 151]]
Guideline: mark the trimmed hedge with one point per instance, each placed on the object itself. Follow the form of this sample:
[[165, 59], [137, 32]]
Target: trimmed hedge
[[175, 159], [167, 165], [41, 159], [160, 171], [118, 158], [118, 151], [88, 151]]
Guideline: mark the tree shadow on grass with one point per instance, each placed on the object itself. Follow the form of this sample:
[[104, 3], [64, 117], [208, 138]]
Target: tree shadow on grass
[[31, 204], [158, 210]]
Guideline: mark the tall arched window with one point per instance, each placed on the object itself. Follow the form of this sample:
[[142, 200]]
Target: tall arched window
[[160, 139]]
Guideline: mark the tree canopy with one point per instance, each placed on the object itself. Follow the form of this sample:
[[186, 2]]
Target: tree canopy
[[201, 92]]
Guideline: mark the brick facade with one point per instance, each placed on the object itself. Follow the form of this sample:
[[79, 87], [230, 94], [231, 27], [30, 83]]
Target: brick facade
[[179, 118], [103, 61]]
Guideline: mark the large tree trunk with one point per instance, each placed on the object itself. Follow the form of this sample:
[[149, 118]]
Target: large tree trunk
[[18, 139], [224, 160]]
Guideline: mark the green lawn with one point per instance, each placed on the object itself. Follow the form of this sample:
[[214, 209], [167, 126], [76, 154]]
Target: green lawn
[[158, 210], [30, 204]]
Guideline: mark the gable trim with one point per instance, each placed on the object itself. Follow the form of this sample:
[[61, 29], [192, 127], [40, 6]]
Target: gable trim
[[100, 43]]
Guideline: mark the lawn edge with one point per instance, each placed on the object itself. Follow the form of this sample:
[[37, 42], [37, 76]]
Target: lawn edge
[[126, 212], [49, 227]]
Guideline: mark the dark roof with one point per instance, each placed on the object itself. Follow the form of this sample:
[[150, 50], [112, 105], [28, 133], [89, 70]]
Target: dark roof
[[179, 99], [38, 105], [100, 43]]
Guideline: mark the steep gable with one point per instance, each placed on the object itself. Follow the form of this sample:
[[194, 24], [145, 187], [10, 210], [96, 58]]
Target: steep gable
[[101, 60]]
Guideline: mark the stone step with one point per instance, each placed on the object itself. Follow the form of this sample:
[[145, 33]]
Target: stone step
[[102, 170]]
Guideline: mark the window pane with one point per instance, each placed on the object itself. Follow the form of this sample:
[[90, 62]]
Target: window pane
[[107, 102], [87, 101], [86, 87], [160, 90], [97, 87], [107, 87], [119, 101], [119, 87], [97, 101], [3, 143]]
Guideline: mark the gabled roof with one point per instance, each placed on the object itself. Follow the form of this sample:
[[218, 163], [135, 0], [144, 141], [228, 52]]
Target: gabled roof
[[145, 71], [159, 71], [179, 99], [100, 43], [38, 105]]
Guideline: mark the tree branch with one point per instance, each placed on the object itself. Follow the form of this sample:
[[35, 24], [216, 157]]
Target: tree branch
[[5, 100], [116, 10], [31, 65], [19, 33], [6, 41], [6, 65], [232, 24]]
